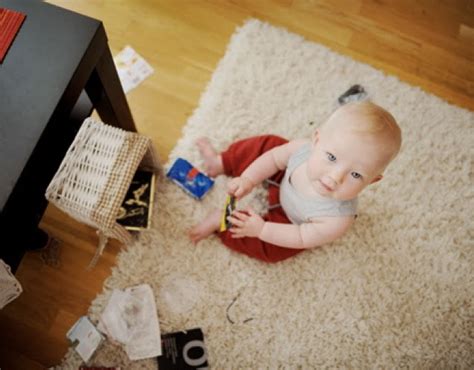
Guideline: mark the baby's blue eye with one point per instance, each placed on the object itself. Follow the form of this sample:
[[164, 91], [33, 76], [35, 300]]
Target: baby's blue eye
[[331, 157], [356, 175]]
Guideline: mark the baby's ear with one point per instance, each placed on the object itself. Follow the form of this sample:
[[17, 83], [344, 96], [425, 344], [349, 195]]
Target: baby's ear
[[377, 178]]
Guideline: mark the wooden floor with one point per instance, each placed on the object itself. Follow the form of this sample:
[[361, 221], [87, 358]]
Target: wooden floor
[[429, 43]]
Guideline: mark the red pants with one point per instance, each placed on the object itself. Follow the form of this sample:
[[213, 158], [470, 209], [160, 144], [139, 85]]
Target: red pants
[[236, 159]]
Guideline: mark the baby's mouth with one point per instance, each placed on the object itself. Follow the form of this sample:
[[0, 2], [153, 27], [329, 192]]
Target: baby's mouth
[[326, 187]]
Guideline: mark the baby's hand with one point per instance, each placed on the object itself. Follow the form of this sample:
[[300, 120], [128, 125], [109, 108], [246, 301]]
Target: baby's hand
[[246, 224], [239, 187]]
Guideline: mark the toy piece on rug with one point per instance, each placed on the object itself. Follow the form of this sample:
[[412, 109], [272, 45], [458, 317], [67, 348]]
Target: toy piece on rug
[[227, 311], [354, 93], [230, 205], [184, 350], [135, 212], [131, 319], [85, 338], [188, 178]]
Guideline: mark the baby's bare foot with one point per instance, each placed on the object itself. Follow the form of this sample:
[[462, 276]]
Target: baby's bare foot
[[210, 224], [212, 159]]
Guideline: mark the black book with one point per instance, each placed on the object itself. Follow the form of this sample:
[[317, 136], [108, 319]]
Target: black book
[[183, 350]]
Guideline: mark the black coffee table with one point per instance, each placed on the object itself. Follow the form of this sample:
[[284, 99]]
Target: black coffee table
[[57, 70]]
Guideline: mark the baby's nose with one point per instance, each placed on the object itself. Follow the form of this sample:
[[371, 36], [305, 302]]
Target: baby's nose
[[337, 176]]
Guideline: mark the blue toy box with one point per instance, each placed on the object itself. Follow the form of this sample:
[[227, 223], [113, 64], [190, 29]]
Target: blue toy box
[[188, 178]]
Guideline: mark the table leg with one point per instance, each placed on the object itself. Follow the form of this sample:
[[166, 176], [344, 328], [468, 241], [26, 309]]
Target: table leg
[[106, 93], [19, 240]]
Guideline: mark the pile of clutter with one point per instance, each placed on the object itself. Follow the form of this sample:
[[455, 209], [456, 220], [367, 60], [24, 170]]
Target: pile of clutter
[[131, 320]]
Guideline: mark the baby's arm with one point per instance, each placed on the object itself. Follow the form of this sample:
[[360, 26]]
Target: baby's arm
[[308, 235], [271, 161], [263, 167]]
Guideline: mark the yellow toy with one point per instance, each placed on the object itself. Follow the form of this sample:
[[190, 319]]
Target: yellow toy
[[230, 205]]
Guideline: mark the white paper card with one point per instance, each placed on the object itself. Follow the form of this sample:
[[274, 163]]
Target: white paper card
[[86, 335], [132, 68]]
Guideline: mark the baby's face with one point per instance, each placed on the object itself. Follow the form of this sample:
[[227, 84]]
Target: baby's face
[[343, 163]]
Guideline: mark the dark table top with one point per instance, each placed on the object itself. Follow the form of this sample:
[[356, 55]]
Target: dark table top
[[33, 78]]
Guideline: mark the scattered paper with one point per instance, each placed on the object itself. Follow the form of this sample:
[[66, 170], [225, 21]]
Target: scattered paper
[[131, 319], [86, 336], [132, 68]]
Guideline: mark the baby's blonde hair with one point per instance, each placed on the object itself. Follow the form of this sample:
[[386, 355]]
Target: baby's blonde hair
[[372, 120]]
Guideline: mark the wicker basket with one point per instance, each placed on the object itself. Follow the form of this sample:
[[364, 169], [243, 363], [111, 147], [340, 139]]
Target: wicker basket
[[94, 176], [10, 288]]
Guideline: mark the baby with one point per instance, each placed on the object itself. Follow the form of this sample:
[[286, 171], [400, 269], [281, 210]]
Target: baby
[[312, 184]]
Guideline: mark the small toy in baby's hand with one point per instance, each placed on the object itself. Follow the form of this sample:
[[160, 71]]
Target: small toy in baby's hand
[[230, 205], [188, 178]]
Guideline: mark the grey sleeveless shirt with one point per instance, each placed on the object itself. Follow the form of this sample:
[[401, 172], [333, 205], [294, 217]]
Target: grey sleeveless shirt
[[301, 208]]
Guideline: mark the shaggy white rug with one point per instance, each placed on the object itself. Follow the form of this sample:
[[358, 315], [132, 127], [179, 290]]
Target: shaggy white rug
[[396, 291]]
